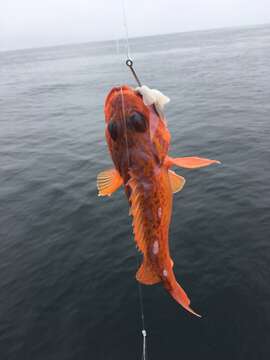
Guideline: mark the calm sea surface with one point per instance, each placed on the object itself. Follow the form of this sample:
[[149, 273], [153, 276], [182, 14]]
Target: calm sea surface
[[67, 257]]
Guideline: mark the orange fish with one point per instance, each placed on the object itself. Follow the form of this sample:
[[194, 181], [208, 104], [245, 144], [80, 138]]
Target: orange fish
[[138, 141]]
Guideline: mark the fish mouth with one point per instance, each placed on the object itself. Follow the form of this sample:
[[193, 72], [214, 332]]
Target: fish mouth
[[124, 91], [124, 101], [116, 91]]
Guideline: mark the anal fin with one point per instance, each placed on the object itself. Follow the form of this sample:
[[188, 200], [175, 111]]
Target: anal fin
[[108, 182]]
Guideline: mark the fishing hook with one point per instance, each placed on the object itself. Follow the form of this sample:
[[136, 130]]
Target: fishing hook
[[129, 63]]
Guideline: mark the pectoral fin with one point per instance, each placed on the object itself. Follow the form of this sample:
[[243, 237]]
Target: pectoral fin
[[177, 181], [108, 182], [190, 162]]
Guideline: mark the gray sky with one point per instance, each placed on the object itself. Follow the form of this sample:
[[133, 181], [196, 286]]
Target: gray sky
[[34, 23]]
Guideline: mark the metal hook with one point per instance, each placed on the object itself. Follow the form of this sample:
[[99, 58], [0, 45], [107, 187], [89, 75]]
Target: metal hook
[[129, 63]]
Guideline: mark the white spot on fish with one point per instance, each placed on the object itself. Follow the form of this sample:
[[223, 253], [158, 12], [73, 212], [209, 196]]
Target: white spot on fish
[[165, 273], [159, 212], [155, 248]]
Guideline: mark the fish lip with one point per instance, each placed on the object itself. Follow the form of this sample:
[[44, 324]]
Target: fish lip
[[116, 90], [114, 96]]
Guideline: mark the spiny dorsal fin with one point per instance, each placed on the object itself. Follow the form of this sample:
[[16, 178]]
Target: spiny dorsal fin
[[136, 210], [145, 274]]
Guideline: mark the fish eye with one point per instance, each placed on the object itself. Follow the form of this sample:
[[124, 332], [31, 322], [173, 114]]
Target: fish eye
[[113, 130], [137, 122]]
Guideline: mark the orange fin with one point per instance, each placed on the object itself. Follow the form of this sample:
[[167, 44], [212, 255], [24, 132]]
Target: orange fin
[[190, 162], [136, 211], [179, 295], [146, 275], [177, 181], [108, 182]]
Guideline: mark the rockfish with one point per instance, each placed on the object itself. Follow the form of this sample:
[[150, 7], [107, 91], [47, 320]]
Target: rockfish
[[138, 141]]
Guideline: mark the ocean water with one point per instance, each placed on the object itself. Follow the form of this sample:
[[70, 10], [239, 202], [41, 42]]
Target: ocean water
[[67, 257]]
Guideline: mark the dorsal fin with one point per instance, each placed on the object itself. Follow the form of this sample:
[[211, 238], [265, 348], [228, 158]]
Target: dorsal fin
[[136, 210], [145, 274]]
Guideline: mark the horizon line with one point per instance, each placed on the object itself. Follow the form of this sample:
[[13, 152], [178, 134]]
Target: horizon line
[[133, 37]]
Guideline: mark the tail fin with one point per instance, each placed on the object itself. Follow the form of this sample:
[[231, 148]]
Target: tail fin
[[179, 295]]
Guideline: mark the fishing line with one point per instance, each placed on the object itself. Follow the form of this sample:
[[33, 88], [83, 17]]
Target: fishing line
[[144, 349], [129, 63], [126, 28]]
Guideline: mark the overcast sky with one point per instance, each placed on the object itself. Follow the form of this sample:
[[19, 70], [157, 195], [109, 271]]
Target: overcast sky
[[34, 23]]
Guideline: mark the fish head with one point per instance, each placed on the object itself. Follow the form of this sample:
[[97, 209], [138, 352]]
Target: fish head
[[135, 132], [125, 113]]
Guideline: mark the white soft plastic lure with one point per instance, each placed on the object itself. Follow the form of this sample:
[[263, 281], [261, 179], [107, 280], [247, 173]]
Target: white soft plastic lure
[[153, 97]]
